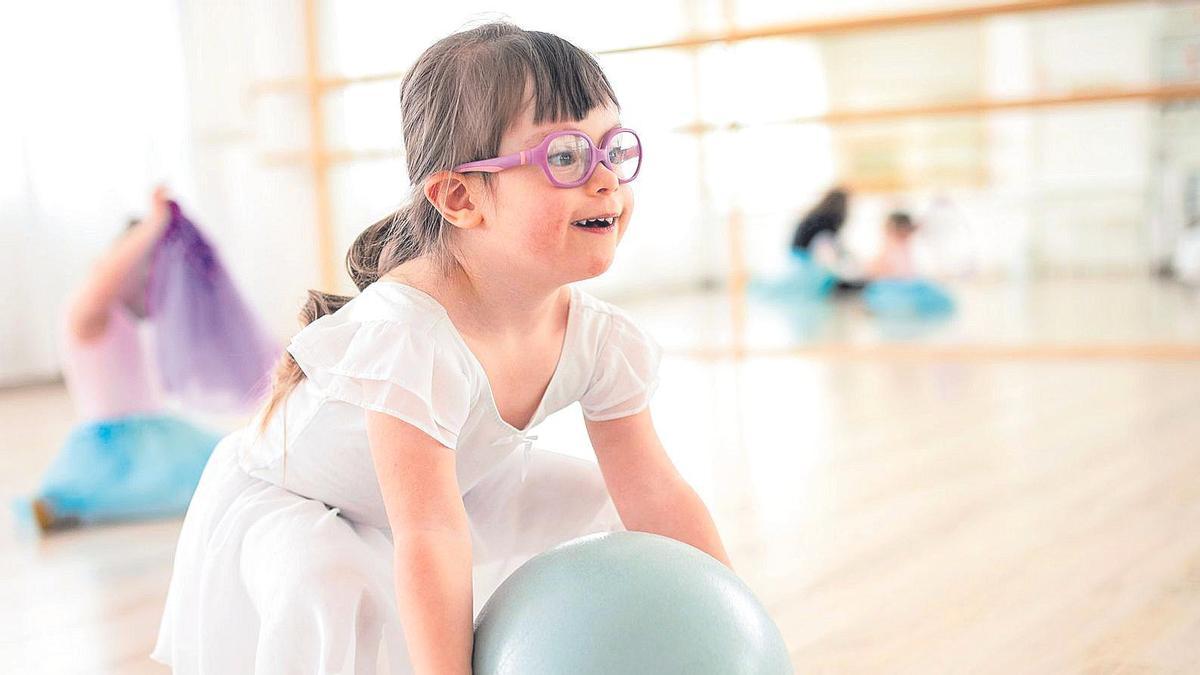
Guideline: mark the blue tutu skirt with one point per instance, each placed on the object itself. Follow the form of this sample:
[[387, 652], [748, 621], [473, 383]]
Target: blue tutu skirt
[[138, 466], [805, 280], [907, 298]]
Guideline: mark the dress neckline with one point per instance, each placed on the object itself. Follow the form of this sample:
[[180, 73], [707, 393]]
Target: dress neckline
[[568, 337]]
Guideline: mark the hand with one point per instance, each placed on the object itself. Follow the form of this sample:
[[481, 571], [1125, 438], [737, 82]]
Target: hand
[[159, 214], [88, 312]]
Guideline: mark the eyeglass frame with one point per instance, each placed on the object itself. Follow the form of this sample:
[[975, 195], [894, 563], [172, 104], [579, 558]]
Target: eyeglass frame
[[537, 155]]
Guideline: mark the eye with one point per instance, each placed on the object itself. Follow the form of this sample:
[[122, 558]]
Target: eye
[[563, 158], [618, 155]]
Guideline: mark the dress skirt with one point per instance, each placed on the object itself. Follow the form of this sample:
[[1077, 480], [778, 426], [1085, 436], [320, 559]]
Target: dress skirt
[[267, 581]]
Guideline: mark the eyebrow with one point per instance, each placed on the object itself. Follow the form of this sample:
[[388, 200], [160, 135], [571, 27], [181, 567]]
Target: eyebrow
[[537, 136]]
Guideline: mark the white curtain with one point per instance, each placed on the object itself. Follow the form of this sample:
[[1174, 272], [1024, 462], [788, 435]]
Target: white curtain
[[95, 114]]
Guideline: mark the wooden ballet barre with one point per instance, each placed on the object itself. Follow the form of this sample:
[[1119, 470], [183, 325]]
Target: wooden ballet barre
[[847, 24], [1170, 92], [1161, 93], [866, 22]]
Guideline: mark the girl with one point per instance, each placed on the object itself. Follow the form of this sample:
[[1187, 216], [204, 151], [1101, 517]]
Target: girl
[[895, 290], [895, 259], [128, 457], [389, 484], [817, 240]]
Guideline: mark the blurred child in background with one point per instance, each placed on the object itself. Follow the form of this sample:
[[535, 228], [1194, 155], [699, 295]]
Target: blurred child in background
[[127, 457], [895, 258], [817, 250], [895, 289]]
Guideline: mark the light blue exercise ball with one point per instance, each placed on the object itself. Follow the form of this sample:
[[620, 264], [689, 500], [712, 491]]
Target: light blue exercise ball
[[626, 603]]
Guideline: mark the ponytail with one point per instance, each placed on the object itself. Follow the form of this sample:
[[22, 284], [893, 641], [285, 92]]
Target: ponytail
[[287, 373]]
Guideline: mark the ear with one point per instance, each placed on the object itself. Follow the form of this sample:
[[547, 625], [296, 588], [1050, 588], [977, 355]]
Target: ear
[[453, 195]]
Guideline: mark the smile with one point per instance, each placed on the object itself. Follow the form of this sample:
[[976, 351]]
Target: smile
[[596, 223]]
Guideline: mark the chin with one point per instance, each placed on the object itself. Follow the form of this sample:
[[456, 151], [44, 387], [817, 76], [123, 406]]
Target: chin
[[595, 265]]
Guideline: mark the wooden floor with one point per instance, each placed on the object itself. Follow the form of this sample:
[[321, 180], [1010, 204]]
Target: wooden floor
[[932, 515]]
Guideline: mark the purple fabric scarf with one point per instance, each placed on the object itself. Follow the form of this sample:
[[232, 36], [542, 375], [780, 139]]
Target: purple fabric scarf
[[212, 351]]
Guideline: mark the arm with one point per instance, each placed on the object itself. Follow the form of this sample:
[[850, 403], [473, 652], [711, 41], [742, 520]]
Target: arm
[[88, 310], [648, 491], [432, 544]]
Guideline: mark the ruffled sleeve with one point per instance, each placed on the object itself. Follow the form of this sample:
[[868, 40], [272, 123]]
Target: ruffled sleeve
[[389, 367], [626, 372]]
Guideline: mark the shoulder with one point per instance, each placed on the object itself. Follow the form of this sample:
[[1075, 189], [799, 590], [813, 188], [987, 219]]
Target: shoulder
[[624, 361], [394, 352], [596, 320], [386, 328], [391, 302], [385, 307], [605, 327], [597, 313]]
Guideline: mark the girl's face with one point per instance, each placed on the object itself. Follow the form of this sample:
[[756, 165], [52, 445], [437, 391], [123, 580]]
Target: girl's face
[[530, 226]]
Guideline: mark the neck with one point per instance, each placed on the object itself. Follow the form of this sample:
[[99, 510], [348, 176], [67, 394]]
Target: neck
[[487, 302]]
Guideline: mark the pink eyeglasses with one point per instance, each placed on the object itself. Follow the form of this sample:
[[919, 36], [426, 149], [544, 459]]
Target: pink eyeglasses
[[568, 157]]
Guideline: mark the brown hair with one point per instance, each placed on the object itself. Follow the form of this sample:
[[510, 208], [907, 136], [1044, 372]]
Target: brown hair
[[901, 223], [456, 102]]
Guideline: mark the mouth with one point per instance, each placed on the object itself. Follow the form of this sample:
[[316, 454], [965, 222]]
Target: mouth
[[602, 222]]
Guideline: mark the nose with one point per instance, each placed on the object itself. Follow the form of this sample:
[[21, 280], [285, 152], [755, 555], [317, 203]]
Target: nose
[[603, 180]]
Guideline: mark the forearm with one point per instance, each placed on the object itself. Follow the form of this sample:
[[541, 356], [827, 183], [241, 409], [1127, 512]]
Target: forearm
[[103, 285], [433, 591], [679, 513]]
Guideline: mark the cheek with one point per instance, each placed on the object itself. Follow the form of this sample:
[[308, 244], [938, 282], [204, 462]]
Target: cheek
[[545, 223], [543, 231], [532, 215], [627, 211]]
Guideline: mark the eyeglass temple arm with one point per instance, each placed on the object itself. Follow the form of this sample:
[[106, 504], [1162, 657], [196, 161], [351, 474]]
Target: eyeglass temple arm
[[496, 163]]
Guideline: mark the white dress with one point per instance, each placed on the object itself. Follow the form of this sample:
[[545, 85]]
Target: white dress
[[284, 563]]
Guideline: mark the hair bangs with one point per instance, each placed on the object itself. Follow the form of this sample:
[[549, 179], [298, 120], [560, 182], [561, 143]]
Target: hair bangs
[[567, 82]]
